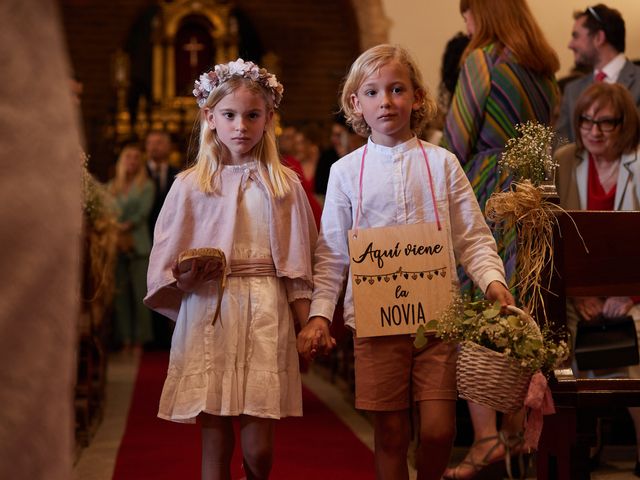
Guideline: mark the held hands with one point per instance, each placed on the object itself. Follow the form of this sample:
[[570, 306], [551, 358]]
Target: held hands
[[190, 280], [315, 338]]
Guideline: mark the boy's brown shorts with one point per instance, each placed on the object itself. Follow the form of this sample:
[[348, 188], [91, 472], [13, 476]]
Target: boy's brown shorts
[[389, 370]]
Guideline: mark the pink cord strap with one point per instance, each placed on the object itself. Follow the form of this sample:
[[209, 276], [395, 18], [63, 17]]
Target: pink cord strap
[[359, 206], [433, 194]]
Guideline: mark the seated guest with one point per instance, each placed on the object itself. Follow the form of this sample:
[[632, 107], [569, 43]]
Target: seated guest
[[601, 171]]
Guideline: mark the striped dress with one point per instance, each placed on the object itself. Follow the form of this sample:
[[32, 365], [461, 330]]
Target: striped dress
[[494, 93]]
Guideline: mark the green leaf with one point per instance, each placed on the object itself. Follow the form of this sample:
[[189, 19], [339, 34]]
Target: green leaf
[[491, 313], [431, 325], [514, 321], [470, 313], [420, 341]]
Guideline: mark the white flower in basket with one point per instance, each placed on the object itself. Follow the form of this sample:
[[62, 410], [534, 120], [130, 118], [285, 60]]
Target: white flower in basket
[[498, 352]]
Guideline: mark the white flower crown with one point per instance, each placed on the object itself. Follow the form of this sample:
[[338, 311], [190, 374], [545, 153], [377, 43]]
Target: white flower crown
[[223, 72]]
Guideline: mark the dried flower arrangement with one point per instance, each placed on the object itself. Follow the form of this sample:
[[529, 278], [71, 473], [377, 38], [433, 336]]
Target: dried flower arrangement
[[526, 208]]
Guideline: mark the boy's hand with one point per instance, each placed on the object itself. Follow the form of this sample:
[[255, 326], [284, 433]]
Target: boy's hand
[[496, 291], [315, 338], [198, 274]]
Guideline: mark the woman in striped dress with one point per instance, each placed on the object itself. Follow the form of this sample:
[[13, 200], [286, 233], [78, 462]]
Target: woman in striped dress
[[506, 78]]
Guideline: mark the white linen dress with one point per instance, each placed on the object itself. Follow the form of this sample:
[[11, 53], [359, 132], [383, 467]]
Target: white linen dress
[[247, 362]]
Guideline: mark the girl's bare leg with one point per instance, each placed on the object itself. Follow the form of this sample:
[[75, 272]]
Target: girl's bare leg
[[217, 446], [256, 436]]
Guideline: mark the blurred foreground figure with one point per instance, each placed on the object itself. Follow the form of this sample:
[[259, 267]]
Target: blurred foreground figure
[[40, 213]]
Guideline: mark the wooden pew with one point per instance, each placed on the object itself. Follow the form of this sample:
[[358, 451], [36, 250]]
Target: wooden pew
[[610, 268]]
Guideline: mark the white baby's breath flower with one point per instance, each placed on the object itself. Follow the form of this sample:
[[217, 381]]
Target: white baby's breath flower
[[528, 156]]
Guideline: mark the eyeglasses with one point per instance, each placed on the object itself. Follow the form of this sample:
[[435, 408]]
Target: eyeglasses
[[605, 125], [595, 15]]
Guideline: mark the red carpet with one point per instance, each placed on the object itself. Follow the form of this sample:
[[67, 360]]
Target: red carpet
[[316, 446]]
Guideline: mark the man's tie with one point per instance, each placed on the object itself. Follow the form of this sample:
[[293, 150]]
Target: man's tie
[[600, 76]]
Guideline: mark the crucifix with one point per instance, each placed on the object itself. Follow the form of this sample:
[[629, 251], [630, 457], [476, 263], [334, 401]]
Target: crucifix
[[193, 47]]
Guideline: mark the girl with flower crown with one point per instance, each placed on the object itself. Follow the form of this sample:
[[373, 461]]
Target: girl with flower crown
[[240, 199]]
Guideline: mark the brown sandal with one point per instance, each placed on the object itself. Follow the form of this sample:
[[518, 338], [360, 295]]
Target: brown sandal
[[513, 445]]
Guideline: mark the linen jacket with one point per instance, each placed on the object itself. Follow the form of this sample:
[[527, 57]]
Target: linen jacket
[[629, 77], [191, 218], [396, 191], [572, 179]]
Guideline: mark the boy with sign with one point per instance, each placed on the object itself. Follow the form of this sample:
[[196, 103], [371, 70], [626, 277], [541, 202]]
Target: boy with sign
[[398, 214]]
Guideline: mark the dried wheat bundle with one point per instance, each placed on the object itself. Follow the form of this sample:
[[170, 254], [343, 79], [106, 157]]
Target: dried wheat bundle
[[525, 208]]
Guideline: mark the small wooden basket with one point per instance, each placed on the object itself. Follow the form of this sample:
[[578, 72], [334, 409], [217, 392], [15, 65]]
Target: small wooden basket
[[493, 379]]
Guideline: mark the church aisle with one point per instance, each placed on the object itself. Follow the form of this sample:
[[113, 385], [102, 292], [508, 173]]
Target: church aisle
[[328, 415], [97, 461], [133, 443]]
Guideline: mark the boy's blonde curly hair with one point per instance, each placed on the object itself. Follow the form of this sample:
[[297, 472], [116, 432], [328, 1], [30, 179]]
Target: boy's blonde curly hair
[[368, 63]]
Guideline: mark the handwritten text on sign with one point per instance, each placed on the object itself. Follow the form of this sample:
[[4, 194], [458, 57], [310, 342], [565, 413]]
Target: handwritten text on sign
[[401, 277]]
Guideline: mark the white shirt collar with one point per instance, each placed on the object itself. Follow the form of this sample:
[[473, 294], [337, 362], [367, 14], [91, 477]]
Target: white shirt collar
[[613, 68], [400, 148]]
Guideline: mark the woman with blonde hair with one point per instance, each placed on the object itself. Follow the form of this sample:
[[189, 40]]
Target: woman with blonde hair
[[133, 192], [506, 78]]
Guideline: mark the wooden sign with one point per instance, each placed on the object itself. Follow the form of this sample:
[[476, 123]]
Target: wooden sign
[[401, 277]]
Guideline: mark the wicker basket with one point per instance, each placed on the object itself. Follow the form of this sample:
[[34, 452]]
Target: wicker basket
[[491, 378]]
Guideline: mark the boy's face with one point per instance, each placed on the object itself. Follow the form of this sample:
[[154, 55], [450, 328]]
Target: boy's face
[[386, 100]]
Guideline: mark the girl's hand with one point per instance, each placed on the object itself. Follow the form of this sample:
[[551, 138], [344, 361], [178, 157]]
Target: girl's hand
[[496, 291], [198, 274], [616, 306], [315, 338]]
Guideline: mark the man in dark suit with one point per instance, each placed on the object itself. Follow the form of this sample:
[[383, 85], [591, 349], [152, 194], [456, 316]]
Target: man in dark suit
[[597, 41], [158, 150]]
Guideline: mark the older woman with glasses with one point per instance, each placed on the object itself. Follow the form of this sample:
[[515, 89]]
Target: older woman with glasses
[[601, 171]]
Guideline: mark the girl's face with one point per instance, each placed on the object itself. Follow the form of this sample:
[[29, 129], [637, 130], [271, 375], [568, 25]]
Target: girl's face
[[132, 160], [386, 100], [599, 131], [239, 119], [469, 22]]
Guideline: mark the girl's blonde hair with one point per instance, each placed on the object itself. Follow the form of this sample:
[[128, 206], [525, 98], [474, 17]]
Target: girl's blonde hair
[[366, 65], [211, 150], [510, 23], [119, 182]]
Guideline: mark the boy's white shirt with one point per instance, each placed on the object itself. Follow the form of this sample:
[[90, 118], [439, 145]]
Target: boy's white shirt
[[396, 191]]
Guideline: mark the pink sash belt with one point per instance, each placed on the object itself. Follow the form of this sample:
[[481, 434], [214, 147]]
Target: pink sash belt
[[252, 267]]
